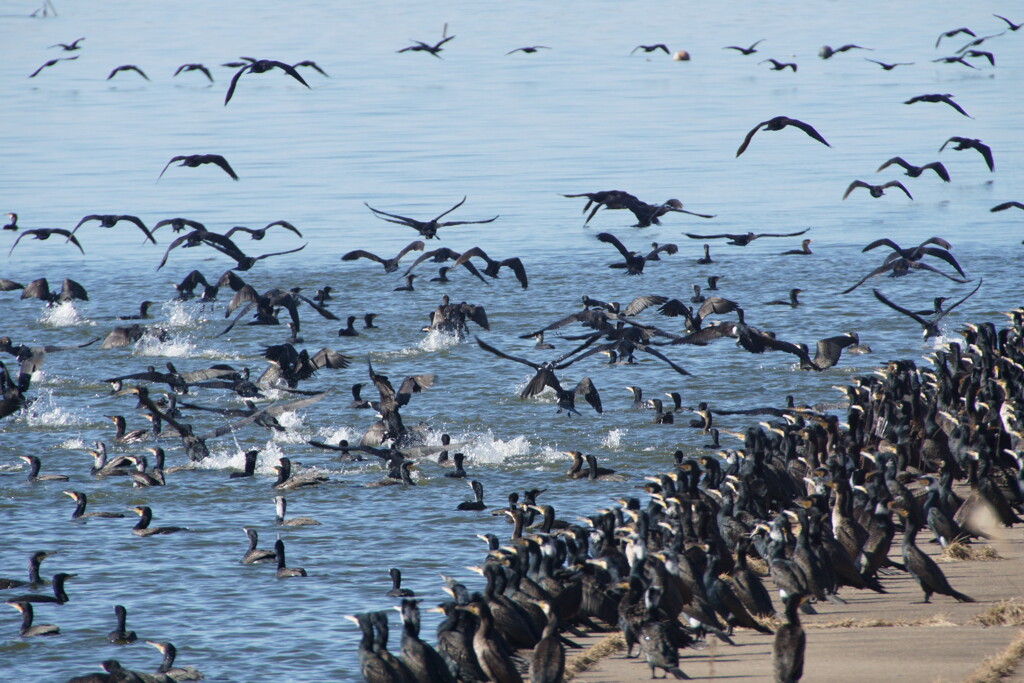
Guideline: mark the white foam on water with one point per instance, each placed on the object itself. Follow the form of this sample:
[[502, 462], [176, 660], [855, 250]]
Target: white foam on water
[[613, 440], [437, 340], [62, 315], [486, 448], [44, 412], [182, 314], [73, 444]]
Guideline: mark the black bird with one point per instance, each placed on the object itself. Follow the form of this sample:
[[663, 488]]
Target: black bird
[[59, 596], [194, 67], [889, 67], [1010, 25], [368, 321], [260, 66], [260, 233], [390, 264], [478, 498], [52, 62], [34, 561], [789, 644], [434, 49], [196, 160], [127, 67], [876, 190], [515, 264], [778, 123], [408, 286], [947, 99], [528, 50], [929, 328], [1007, 205], [954, 32], [81, 501], [805, 248], [283, 570], [545, 377], [792, 301], [12, 222], [70, 47], [167, 668], [179, 224], [143, 529], [921, 567], [826, 51], [309, 63], [121, 635], [743, 240], [745, 50], [646, 214], [69, 291], [109, 221], [915, 171], [45, 234], [254, 555], [349, 330], [981, 53], [633, 262], [396, 585], [954, 59], [972, 143], [902, 261], [426, 228], [651, 48], [27, 629], [778, 66]]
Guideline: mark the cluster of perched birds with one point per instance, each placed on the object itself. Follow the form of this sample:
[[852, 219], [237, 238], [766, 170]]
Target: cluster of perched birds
[[815, 499]]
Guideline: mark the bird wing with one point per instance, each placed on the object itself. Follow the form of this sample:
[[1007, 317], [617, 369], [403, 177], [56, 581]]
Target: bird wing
[[470, 253], [829, 350], [241, 228], [899, 309], [234, 82], [588, 391], [939, 168], [944, 255], [72, 290], [750, 136], [637, 305], [477, 314], [515, 264], [896, 183], [809, 129], [137, 221], [284, 224], [418, 245], [328, 358], [889, 265], [174, 159], [401, 220], [950, 102], [501, 354], [220, 161], [895, 160], [362, 253], [290, 70], [37, 289], [659, 355], [282, 253], [449, 223], [445, 213], [853, 186], [924, 266], [611, 239], [711, 237], [705, 336], [942, 314]]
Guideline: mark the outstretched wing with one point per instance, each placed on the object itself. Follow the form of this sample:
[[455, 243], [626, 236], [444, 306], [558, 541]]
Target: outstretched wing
[[611, 239], [501, 354], [750, 136]]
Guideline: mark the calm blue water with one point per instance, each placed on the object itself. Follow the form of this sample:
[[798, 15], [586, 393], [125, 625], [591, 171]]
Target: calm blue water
[[411, 134]]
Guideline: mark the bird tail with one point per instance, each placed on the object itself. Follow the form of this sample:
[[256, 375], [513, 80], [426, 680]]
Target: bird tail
[[678, 673], [961, 597]]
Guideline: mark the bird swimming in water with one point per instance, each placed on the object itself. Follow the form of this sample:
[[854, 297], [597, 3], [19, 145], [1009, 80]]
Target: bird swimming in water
[[805, 248], [81, 501], [33, 470], [260, 66], [283, 570], [254, 555], [744, 50], [876, 190], [194, 67], [946, 99], [43, 234], [428, 229], [121, 635], [408, 286], [975, 144], [478, 498], [196, 160], [145, 516], [12, 222], [34, 561], [279, 518], [27, 629], [396, 585], [127, 67], [778, 123], [167, 668]]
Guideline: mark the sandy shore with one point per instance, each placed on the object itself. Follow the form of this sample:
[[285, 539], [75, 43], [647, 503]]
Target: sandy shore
[[874, 637]]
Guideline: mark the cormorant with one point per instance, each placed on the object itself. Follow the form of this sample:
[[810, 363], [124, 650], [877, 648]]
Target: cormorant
[[280, 505], [27, 629], [33, 470], [120, 635], [52, 62], [283, 571], [177, 673], [745, 50], [254, 555], [81, 501], [778, 123], [127, 67], [826, 51], [428, 229], [146, 516], [478, 502], [194, 67], [789, 644], [396, 585], [920, 566], [260, 66], [196, 160]]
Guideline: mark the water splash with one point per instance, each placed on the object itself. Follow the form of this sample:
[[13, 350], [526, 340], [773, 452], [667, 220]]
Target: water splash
[[182, 314], [62, 315], [437, 340], [485, 448], [44, 412], [613, 440]]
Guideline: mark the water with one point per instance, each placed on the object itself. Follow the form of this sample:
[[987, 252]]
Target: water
[[411, 134]]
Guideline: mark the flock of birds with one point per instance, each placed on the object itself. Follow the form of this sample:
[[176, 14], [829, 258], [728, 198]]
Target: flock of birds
[[809, 495]]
